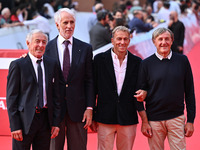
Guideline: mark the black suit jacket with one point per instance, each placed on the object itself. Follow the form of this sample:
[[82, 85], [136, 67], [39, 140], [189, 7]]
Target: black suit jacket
[[22, 93], [78, 92], [111, 107]]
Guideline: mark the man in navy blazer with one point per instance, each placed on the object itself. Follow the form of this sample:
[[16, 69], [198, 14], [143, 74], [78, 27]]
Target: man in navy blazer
[[116, 74], [29, 123], [77, 91], [138, 24]]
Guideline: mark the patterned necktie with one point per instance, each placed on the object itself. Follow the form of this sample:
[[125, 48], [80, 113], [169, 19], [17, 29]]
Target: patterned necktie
[[66, 61], [40, 84]]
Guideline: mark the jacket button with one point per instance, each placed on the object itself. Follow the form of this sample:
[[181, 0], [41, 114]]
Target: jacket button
[[66, 85]]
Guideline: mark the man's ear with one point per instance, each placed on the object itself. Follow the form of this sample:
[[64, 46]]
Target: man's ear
[[27, 42], [153, 42], [112, 40], [57, 25]]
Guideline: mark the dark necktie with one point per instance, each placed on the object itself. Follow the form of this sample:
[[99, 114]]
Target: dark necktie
[[66, 61], [40, 84]]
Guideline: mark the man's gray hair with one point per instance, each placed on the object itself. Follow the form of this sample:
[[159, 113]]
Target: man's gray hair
[[160, 31], [120, 28], [4, 11], [57, 16], [30, 34]]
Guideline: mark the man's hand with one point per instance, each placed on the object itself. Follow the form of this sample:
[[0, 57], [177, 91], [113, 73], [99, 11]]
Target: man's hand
[[23, 55], [146, 129], [140, 95], [54, 132], [87, 117], [189, 129], [17, 135], [94, 126], [170, 23], [180, 48]]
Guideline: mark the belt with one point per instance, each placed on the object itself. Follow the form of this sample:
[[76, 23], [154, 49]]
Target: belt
[[40, 110]]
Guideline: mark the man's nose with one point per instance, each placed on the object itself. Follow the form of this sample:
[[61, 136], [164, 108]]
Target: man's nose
[[164, 41], [122, 41], [69, 25], [42, 44]]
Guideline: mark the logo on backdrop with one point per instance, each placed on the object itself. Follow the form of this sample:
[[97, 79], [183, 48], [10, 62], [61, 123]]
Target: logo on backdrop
[[3, 103]]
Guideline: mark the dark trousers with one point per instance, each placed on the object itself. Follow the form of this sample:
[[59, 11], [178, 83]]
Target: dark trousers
[[39, 134], [75, 133]]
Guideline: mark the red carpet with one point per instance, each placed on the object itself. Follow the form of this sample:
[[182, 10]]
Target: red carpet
[[193, 143]]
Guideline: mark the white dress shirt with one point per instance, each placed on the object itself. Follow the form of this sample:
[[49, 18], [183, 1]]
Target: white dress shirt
[[120, 71], [161, 57], [34, 59], [61, 48]]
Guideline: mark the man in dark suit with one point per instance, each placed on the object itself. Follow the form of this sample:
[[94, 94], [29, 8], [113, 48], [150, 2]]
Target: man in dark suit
[[116, 73], [138, 24], [32, 96], [76, 87], [99, 34], [178, 28]]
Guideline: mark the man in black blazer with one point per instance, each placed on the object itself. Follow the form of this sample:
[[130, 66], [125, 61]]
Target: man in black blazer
[[116, 73], [178, 28], [77, 91], [31, 122]]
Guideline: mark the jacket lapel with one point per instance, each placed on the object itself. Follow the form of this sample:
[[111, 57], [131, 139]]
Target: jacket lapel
[[110, 67], [54, 54], [55, 48], [76, 53], [46, 72], [29, 62], [129, 70]]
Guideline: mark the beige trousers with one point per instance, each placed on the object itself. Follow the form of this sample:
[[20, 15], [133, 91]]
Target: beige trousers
[[173, 129], [125, 136]]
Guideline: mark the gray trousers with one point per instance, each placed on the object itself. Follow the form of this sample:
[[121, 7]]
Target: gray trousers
[[75, 134]]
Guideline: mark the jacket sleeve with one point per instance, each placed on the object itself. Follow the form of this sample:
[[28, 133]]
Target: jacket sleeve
[[56, 98], [141, 84], [89, 80], [13, 95], [189, 94], [182, 35]]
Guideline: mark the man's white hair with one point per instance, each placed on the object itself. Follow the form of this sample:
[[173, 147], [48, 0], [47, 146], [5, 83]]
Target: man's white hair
[[4, 11], [57, 16], [30, 34]]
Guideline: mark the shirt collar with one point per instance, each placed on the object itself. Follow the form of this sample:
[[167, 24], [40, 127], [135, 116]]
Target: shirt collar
[[161, 57], [62, 39], [33, 58], [115, 55]]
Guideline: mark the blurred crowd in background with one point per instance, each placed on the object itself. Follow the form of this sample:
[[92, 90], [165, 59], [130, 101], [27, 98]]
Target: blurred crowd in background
[[130, 13]]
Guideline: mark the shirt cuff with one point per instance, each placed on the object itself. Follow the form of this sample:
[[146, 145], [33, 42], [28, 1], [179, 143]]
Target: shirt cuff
[[90, 108]]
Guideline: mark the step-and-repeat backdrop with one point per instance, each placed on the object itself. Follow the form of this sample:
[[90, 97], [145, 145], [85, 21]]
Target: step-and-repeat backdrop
[[140, 45]]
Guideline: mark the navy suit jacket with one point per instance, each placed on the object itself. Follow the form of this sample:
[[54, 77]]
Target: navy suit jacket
[[139, 25], [111, 107], [78, 92], [22, 93]]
